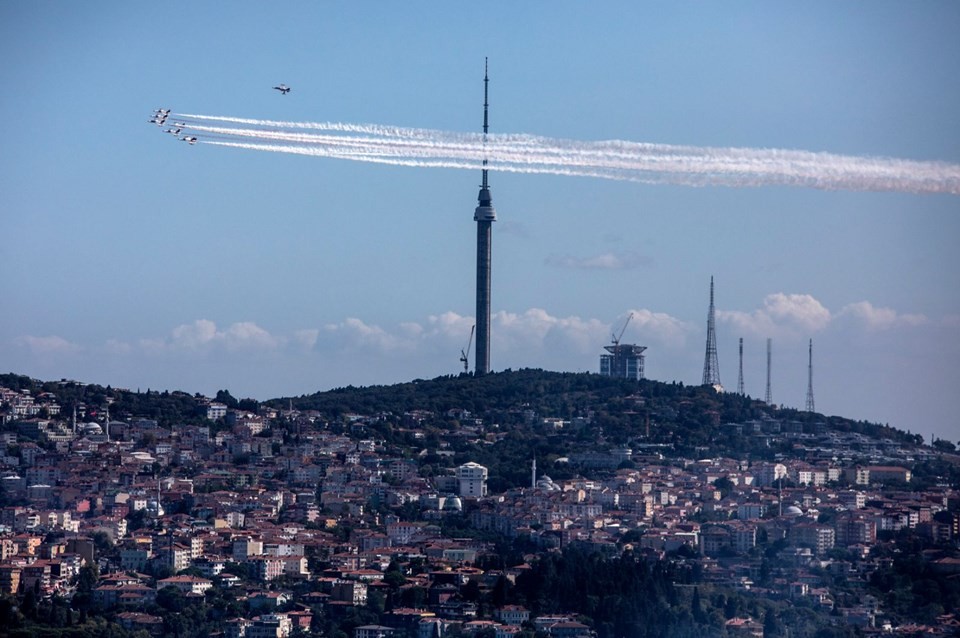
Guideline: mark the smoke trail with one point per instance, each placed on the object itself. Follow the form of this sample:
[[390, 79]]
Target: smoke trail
[[611, 159]]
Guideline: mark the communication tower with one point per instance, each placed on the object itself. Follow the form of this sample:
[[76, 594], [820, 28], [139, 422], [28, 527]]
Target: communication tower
[[484, 215], [711, 369], [740, 377], [768, 398], [810, 404]]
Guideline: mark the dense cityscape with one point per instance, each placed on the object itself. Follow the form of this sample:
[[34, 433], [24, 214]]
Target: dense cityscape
[[521, 504], [245, 247]]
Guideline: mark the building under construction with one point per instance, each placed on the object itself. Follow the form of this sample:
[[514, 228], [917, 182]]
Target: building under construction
[[624, 360]]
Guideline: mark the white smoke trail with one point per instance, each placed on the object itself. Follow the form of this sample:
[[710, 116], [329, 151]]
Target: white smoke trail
[[611, 159], [377, 158]]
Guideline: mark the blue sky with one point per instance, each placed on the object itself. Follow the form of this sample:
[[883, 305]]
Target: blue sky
[[131, 260]]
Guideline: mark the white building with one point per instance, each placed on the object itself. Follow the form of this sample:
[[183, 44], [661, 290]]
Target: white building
[[186, 584], [216, 411], [472, 478], [769, 473]]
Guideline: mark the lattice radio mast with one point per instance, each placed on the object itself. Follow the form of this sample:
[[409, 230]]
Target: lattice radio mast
[[711, 369], [810, 404]]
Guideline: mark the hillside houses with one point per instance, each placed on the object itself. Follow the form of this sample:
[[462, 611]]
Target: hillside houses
[[301, 518]]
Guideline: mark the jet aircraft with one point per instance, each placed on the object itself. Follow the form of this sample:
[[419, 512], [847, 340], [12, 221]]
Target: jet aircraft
[[283, 88], [189, 140]]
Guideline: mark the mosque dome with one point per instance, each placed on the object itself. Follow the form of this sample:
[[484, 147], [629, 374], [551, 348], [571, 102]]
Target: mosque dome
[[92, 428]]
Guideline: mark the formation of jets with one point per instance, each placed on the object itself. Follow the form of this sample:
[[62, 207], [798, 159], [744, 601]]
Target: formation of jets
[[160, 116]]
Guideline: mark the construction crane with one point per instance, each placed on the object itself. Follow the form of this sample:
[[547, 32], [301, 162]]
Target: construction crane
[[616, 339], [463, 353], [618, 363]]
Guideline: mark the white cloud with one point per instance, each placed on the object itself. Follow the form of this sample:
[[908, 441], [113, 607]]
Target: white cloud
[[881, 318], [247, 334], [194, 335], [203, 333], [606, 261], [354, 333], [781, 314], [530, 331], [47, 345], [450, 324], [661, 327], [411, 330], [538, 334], [307, 337]]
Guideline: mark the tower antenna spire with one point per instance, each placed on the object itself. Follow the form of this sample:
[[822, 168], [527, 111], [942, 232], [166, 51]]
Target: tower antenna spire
[[810, 404], [486, 86], [740, 377], [484, 215], [711, 368], [486, 118]]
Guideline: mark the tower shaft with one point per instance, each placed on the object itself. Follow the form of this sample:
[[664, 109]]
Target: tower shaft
[[484, 215], [484, 252], [711, 368], [740, 377], [810, 403], [768, 398]]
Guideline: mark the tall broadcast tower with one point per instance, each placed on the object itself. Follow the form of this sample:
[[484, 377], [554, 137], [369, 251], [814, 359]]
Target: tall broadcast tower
[[711, 369], [740, 376], [768, 397], [810, 405], [484, 216]]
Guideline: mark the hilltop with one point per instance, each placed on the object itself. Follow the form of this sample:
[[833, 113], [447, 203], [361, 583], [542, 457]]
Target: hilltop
[[688, 418]]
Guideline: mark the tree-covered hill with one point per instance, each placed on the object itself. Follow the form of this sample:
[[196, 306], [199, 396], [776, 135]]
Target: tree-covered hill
[[687, 417], [167, 408], [692, 413]]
